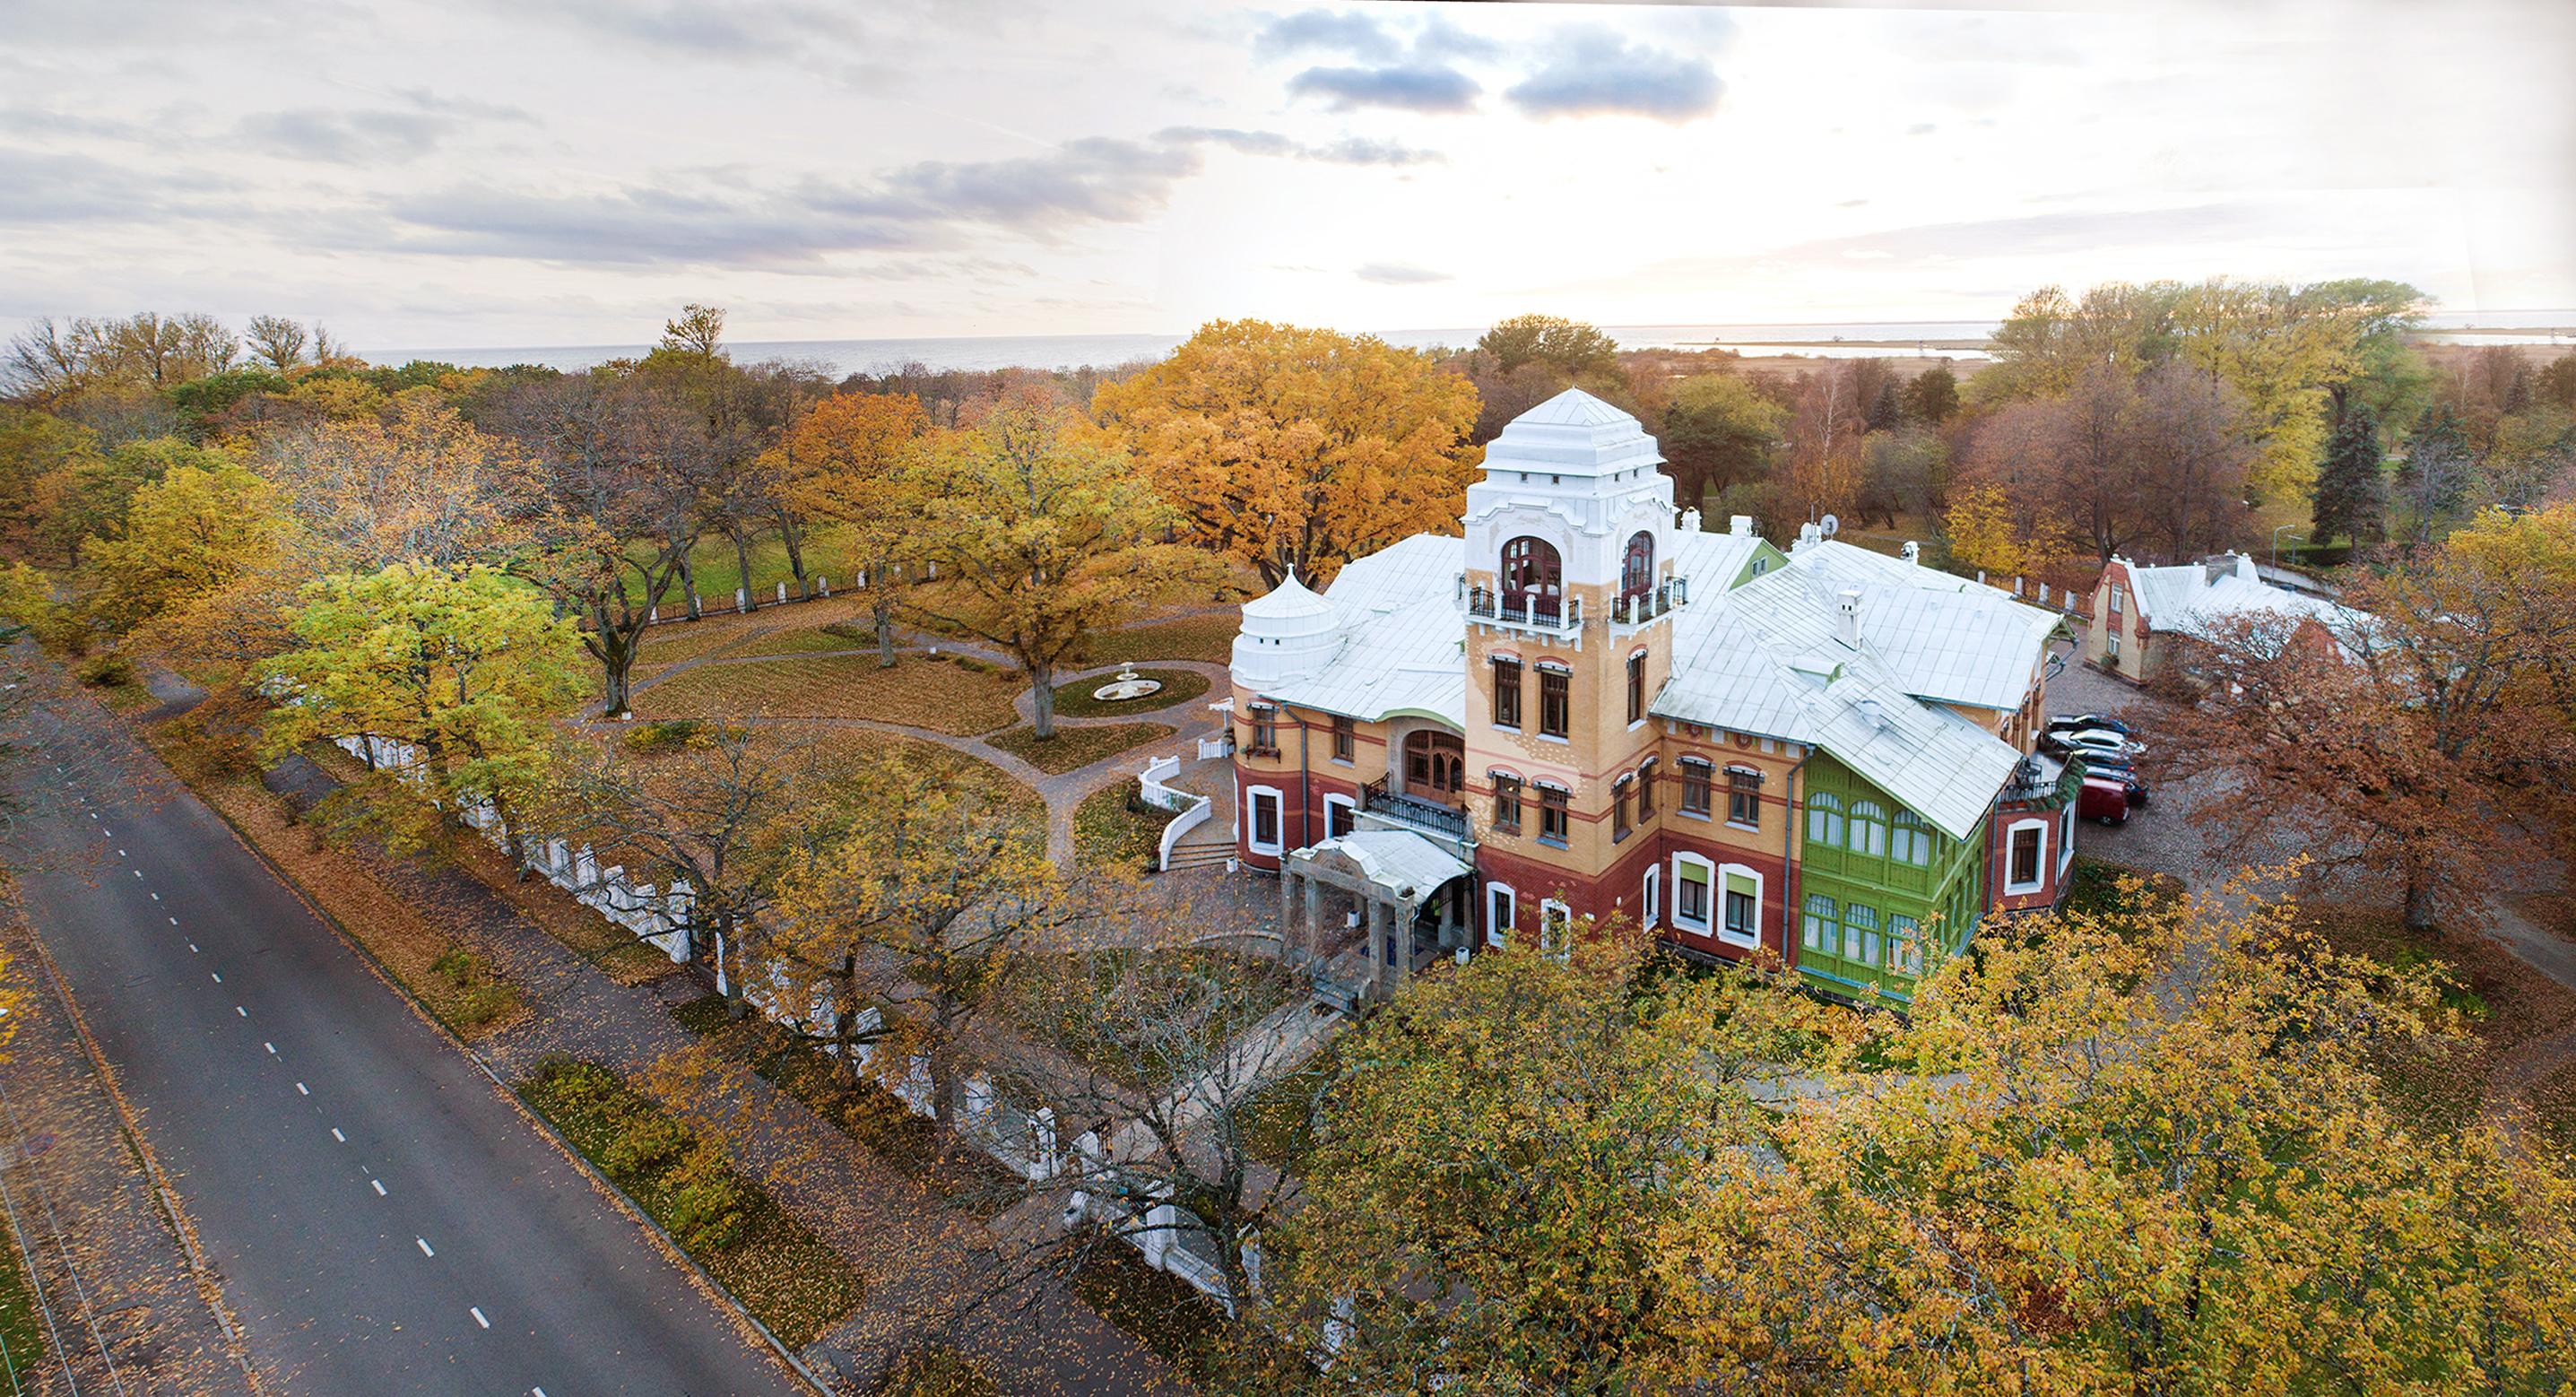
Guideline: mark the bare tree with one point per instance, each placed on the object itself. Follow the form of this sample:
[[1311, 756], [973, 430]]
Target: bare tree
[[276, 341], [2191, 451]]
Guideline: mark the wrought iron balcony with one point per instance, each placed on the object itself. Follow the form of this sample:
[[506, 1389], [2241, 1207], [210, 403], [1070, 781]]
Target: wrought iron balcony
[[1553, 615], [1429, 816], [1636, 609]]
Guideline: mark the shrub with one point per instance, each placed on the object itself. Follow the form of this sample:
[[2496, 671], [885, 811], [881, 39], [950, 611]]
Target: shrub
[[705, 1199], [106, 670], [663, 735], [852, 630], [645, 1145]]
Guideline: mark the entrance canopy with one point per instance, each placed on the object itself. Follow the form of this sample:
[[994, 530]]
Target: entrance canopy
[[1397, 866]]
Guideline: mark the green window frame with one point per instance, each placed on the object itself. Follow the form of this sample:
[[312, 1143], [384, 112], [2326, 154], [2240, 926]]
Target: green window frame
[[1817, 927], [1868, 829], [1690, 901], [1743, 907], [1905, 945], [1912, 842], [1860, 933], [1825, 819]]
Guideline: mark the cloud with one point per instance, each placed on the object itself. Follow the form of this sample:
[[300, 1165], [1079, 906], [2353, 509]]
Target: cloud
[[1593, 72], [471, 108], [344, 138], [1350, 150], [45, 187], [714, 218], [1328, 31], [1405, 87], [778, 29], [1397, 274], [1441, 39]]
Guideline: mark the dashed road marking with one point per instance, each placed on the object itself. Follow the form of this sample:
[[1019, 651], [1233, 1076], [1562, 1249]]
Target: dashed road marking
[[477, 1312], [120, 853], [156, 897], [138, 873], [336, 1135], [218, 978], [192, 947], [424, 1246], [272, 1048], [378, 1185], [245, 1013], [174, 921], [303, 1090]]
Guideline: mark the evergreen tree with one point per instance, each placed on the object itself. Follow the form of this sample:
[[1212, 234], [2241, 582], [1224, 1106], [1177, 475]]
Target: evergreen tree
[[2352, 497], [1933, 396], [1884, 414]]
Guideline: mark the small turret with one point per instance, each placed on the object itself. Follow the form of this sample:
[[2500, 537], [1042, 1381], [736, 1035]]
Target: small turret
[[1290, 633]]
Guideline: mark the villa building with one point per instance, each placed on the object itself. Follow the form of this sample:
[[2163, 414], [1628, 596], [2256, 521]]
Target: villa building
[[2136, 608], [1588, 705]]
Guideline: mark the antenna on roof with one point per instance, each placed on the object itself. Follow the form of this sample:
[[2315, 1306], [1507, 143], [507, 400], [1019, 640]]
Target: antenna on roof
[[1829, 526]]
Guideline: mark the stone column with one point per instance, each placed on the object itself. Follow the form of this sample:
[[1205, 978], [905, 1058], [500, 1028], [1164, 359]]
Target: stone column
[[1289, 944], [1381, 924], [1314, 918], [1403, 948]]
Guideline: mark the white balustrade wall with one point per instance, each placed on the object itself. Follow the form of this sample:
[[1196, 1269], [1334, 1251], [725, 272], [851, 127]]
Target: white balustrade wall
[[1194, 809]]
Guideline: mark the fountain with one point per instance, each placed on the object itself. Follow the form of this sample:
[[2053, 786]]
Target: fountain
[[1128, 686]]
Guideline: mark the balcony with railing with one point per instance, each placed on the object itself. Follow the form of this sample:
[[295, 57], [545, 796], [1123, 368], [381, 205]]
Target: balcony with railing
[[1546, 615], [1430, 817], [1638, 608]]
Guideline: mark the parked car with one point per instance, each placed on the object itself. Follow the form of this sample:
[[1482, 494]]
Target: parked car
[[2131, 783], [2090, 720], [2103, 799], [2080, 740]]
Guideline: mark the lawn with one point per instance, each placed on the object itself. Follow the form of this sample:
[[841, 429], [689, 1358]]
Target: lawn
[[21, 1326], [719, 572], [1074, 700], [1278, 1123], [770, 1261], [937, 1371], [952, 694], [1209, 638], [1073, 1020], [1109, 830], [1073, 748], [1161, 1312], [2505, 1002]]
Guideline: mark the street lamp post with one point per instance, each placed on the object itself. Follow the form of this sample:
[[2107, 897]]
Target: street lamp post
[[2276, 542]]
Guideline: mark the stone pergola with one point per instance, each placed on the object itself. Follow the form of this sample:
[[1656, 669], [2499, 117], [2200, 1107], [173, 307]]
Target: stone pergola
[[1388, 874]]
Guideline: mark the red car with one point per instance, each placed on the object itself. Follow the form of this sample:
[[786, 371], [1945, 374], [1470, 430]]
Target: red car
[[2104, 798]]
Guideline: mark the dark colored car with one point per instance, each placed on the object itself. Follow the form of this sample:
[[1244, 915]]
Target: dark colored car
[[2103, 799], [2090, 720], [2108, 768]]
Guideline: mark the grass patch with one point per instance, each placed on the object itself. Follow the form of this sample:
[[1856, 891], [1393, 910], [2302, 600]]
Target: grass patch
[[1112, 830], [1278, 1123], [1208, 638], [773, 1263], [2505, 1003], [937, 1371], [1074, 700], [1073, 748], [416, 943], [913, 1145], [803, 640], [21, 1326], [1085, 1021], [2093, 888], [1162, 1312], [950, 694]]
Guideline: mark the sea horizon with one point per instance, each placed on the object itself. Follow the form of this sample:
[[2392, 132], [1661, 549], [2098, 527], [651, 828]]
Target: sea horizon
[[1951, 339]]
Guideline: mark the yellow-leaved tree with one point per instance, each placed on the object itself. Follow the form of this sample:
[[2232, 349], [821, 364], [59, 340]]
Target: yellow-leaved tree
[[1298, 449], [843, 461]]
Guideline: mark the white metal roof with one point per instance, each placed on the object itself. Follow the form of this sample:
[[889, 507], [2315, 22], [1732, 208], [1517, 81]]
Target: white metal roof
[[1766, 659], [1403, 646], [1400, 861], [1573, 433], [1287, 601], [1945, 637], [2178, 598]]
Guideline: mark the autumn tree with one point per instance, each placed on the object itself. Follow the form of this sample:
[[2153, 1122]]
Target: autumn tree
[[186, 534], [613, 478], [1904, 470], [906, 927], [1986, 528], [2529, 461], [1570, 348], [1719, 431], [1041, 537], [276, 341], [843, 461], [2434, 478], [460, 663], [2406, 737], [422, 484], [1820, 463], [2190, 444], [1297, 450], [697, 330], [1932, 397], [2352, 491]]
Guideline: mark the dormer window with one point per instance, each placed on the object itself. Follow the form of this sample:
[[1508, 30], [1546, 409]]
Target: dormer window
[[1637, 572]]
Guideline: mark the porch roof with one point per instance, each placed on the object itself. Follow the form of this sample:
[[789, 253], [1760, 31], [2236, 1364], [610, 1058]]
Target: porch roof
[[1403, 865]]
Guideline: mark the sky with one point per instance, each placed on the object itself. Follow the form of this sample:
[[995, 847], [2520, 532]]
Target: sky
[[567, 172]]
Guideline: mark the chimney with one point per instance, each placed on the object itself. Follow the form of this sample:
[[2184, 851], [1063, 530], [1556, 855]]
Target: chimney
[[2215, 567], [1847, 616], [1912, 552], [1739, 526]]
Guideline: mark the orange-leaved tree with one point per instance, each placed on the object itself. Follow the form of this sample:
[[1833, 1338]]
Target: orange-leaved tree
[[842, 461], [1296, 449]]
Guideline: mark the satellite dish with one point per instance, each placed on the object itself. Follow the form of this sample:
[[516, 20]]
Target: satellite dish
[[1829, 526]]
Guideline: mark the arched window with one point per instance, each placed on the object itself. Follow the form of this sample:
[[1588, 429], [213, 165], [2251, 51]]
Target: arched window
[[1868, 828], [1637, 573], [1825, 819], [1531, 569], [1913, 841]]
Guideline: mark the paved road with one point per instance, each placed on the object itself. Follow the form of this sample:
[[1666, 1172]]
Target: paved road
[[383, 1220]]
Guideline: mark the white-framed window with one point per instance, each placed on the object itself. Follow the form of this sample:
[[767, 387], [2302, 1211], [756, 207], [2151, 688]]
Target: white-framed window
[[1868, 828], [1341, 816], [1694, 892], [1650, 905], [1911, 840], [1740, 919], [2026, 856], [1904, 945], [1502, 912], [2111, 643], [2119, 599], [1262, 808], [1816, 926], [1825, 819], [1555, 928], [2066, 836]]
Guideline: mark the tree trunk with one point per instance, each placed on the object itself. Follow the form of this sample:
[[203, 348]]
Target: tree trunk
[[793, 537], [2420, 917], [1042, 696], [845, 1030], [742, 564], [617, 660], [885, 632], [689, 584]]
